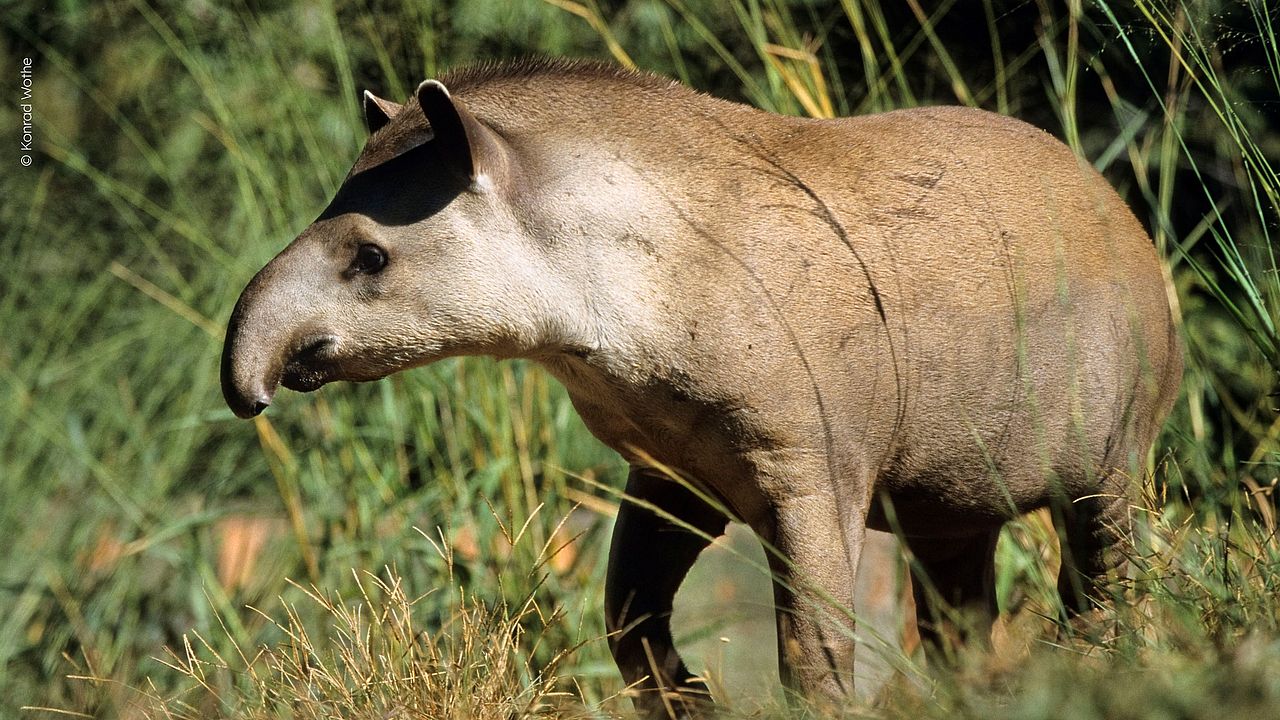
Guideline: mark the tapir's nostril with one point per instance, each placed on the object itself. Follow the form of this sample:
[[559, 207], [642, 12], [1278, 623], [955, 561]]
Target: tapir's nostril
[[250, 404]]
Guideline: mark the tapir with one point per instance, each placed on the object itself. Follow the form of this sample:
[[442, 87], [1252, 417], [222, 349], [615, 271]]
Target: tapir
[[926, 321]]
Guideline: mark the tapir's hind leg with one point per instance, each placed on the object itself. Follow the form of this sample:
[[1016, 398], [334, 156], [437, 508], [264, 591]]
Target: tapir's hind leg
[[648, 558], [953, 584], [1094, 529]]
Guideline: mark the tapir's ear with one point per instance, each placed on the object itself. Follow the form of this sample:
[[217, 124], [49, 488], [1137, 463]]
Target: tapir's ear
[[378, 112], [475, 150]]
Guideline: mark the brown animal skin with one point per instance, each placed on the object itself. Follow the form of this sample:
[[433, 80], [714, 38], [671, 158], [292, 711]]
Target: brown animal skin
[[928, 321]]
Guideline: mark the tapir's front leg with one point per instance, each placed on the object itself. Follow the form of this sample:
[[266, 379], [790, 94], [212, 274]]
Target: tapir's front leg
[[648, 558], [813, 589], [813, 560]]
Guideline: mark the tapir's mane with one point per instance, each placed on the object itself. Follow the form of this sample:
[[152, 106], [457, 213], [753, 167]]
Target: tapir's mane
[[537, 68], [495, 89]]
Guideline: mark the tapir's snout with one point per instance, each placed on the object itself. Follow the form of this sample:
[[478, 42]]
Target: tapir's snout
[[247, 402], [248, 380], [273, 339], [248, 387]]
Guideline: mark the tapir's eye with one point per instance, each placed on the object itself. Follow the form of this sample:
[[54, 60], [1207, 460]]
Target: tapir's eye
[[369, 259]]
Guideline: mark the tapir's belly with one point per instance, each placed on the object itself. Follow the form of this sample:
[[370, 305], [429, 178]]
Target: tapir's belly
[[950, 509]]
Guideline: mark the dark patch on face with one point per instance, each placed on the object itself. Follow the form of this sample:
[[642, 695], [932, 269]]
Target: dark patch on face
[[400, 191]]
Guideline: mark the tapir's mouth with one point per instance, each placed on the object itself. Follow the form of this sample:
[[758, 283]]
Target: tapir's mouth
[[312, 365], [303, 379]]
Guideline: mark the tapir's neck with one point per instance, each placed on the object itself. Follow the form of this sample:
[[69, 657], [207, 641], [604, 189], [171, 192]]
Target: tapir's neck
[[613, 202]]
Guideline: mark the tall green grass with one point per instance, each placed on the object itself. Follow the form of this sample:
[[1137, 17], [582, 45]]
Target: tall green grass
[[182, 145], [136, 509]]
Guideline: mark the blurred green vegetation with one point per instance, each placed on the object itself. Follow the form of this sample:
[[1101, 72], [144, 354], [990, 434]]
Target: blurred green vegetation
[[183, 143]]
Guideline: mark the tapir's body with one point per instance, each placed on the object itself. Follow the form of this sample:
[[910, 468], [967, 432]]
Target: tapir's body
[[925, 321]]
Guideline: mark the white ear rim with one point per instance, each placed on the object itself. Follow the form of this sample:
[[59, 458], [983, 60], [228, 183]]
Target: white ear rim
[[481, 182], [372, 106], [436, 84]]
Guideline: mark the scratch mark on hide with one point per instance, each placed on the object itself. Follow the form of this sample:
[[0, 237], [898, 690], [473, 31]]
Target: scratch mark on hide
[[823, 211], [792, 338]]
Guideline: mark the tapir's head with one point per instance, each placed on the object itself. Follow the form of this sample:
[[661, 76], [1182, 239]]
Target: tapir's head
[[419, 256]]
